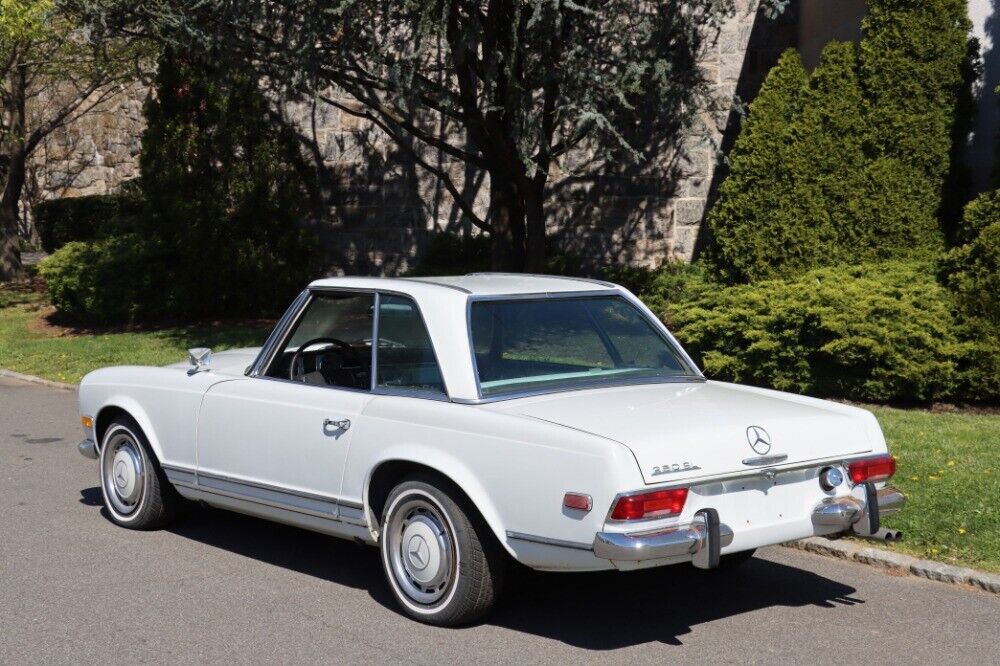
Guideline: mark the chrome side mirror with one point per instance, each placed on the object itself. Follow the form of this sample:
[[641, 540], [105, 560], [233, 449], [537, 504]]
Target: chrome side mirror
[[199, 358]]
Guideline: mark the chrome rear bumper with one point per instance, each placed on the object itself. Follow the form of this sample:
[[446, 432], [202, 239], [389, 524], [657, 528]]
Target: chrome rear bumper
[[88, 449], [671, 542], [843, 512]]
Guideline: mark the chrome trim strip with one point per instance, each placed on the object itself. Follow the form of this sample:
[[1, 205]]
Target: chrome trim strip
[[437, 284], [266, 486], [588, 386], [752, 473], [313, 504], [332, 517], [285, 500], [373, 380], [773, 459], [181, 476], [519, 536], [572, 278]]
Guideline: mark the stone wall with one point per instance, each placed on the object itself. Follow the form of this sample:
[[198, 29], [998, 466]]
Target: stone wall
[[385, 206], [93, 155]]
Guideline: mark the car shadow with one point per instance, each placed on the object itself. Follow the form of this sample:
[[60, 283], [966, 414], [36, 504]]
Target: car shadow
[[594, 611]]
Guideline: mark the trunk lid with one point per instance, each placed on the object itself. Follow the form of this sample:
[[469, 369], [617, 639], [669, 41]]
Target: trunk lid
[[693, 430]]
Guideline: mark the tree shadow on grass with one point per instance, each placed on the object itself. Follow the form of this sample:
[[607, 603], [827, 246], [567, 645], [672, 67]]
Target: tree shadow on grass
[[222, 335], [658, 605]]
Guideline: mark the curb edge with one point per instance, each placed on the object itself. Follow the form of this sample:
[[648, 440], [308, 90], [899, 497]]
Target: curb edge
[[899, 563], [10, 374]]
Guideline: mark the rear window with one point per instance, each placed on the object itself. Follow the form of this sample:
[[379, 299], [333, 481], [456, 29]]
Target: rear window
[[555, 343]]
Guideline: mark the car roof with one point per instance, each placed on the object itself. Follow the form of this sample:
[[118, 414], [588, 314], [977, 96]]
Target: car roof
[[477, 284]]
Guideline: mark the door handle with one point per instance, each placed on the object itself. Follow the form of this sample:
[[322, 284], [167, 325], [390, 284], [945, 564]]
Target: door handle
[[334, 427]]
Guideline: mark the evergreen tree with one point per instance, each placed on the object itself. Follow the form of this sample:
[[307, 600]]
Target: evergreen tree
[[225, 203], [915, 63], [756, 199]]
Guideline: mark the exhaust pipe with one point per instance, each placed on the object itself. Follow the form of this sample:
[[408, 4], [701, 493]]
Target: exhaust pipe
[[883, 534]]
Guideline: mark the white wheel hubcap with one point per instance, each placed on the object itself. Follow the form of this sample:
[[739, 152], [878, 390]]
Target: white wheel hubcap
[[122, 473], [420, 550]]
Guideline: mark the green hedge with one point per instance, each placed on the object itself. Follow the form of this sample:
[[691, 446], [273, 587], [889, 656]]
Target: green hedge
[[60, 221], [972, 273], [871, 333], [101, 282]]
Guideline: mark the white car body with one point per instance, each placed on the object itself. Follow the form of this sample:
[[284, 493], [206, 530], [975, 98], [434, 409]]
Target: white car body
[[228, 436]]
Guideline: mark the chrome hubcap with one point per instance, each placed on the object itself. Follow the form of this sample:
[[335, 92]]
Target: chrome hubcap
[[123, 473], [421, 551]]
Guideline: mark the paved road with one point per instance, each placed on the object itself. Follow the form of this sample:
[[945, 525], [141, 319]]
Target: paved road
[[221, 587]]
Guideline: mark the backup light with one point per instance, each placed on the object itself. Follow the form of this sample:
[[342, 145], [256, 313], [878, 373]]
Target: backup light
[[872, 470], [656, 504], [830, 478]]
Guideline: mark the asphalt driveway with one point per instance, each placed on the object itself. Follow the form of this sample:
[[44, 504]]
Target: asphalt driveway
[[74, 588]]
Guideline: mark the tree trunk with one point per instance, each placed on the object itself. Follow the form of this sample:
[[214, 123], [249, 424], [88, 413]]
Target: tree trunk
[[507, 220], [534, 211], [10, 251]]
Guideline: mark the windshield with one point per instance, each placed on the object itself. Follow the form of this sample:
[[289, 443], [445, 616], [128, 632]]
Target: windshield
[[556, 343]]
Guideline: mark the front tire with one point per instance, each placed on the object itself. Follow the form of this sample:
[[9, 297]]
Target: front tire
[[443, 565], [136, 492]]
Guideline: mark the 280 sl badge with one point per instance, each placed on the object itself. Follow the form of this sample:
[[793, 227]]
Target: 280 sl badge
[[673, 468]]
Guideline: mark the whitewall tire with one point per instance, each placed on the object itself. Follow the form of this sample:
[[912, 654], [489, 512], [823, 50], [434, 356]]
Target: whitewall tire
[[136, 493], [442, 563]]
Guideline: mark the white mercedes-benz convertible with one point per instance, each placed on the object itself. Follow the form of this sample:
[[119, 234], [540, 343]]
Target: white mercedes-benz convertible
[[457, 422]]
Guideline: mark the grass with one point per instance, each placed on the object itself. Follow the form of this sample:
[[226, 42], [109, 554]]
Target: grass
[[949, 467], [948, 464], [29, 345]]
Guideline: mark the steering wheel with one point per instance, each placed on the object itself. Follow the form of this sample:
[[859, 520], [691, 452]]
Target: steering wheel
[[347, 350]]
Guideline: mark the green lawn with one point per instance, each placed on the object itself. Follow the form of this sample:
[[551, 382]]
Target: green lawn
[[27, 347], [949, 467], [948, 464]]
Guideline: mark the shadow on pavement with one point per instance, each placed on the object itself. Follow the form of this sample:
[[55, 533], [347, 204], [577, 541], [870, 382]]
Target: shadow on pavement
[[595, 611]]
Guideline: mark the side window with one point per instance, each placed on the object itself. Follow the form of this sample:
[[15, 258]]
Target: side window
[[405, 358], [331, 343]]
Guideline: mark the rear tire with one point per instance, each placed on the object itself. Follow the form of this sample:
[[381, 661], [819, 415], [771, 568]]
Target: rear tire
[[442, 562], [136, 492]]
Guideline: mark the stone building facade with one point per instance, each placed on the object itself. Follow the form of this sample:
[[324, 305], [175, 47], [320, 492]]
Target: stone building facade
[[386, 207]]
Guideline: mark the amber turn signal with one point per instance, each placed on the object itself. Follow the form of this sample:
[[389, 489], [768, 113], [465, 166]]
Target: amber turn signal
[[87, 422]]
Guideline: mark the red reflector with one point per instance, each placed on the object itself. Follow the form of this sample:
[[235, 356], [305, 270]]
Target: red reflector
[[577, 501], [872, 469], [656, 504]]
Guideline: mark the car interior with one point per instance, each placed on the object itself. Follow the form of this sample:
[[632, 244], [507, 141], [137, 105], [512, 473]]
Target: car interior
[[331, 345]]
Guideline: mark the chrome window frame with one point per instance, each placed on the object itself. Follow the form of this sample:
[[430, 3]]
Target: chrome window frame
[[285, 328], [656, 324]]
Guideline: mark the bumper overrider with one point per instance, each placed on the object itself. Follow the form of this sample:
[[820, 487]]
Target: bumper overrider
[[705, 536], [702, 539], [87, 449]]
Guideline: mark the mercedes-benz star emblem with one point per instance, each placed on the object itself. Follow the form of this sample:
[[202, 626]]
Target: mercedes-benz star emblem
[[120, 474], [418, 552], [759, 439]]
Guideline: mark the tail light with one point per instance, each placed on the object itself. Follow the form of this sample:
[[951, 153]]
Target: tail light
[[656, 504], [871, 470]]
